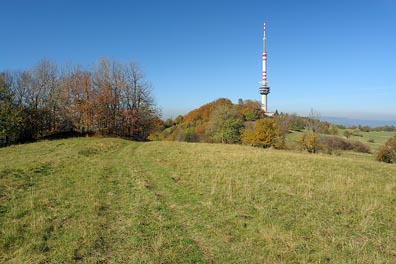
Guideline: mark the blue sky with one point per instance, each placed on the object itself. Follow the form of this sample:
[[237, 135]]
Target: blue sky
[[337, 57]]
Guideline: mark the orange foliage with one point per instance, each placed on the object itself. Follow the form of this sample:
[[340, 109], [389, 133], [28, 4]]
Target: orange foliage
[[203, 113]]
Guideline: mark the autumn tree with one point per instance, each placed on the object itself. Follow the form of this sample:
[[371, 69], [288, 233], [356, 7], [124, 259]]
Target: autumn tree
[[387, 152], [263, 133], [309, 141], [310, 138], [78, 103]]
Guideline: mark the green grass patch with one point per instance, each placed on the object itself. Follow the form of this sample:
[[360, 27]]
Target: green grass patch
[[115, 201], [374, 139]]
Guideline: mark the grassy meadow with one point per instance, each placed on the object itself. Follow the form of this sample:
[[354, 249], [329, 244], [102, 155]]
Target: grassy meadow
[[374, 139], [89, 200]]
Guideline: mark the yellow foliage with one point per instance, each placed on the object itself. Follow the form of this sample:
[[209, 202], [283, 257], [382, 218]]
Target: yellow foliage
[[264, 133], [310, 141]]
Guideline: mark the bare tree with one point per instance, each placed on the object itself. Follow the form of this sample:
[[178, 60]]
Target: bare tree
[[313, 121], [310, 138], [139, 102]]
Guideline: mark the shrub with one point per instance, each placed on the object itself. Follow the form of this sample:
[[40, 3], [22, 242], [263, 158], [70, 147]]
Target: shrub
[[333, 130], [347, 133], [331, 144], [387, 152], [186, 134], [356, 132], [360, 147]]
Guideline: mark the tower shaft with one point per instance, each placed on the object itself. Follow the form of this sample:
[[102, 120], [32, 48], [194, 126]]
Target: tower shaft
[[264, 58], [264, 89]]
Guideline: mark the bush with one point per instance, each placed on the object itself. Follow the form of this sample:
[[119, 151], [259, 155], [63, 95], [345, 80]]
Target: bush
[[387, 152], [356, 132], [347, 133], [331, 144], [360, 147], [333, 130], [187, 135]]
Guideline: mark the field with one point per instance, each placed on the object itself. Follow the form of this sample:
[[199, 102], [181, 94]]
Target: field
[[88, 200], [374, 139]]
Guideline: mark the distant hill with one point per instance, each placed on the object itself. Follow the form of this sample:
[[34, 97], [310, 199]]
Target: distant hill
[[217, 121], [356, 122]]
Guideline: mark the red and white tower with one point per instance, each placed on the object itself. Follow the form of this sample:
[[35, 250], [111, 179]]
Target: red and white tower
[[264, 88]]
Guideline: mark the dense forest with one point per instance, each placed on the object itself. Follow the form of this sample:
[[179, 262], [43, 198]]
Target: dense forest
[[112, 99]]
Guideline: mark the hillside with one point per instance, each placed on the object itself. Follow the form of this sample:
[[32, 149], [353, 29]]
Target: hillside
[[115, 201], [219, 121]]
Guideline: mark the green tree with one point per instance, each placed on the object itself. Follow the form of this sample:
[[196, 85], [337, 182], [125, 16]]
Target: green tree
[[250, 115], [224, 125]]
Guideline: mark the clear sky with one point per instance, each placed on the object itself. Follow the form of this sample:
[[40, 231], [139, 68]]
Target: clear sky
[[337, 57]]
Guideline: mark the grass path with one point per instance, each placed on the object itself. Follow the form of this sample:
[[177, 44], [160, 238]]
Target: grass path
[[144, 226], [97, 208]]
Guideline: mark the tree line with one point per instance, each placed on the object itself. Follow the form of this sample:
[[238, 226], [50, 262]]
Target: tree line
[[221, 121], [111, 99]]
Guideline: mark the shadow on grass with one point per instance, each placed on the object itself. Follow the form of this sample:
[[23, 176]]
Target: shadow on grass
[[66, 134]]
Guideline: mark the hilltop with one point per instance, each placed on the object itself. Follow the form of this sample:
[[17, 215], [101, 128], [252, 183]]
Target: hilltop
[[117, 201]]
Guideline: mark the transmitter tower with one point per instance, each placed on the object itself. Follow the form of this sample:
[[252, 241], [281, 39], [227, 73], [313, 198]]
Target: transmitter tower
[[264, 89]]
